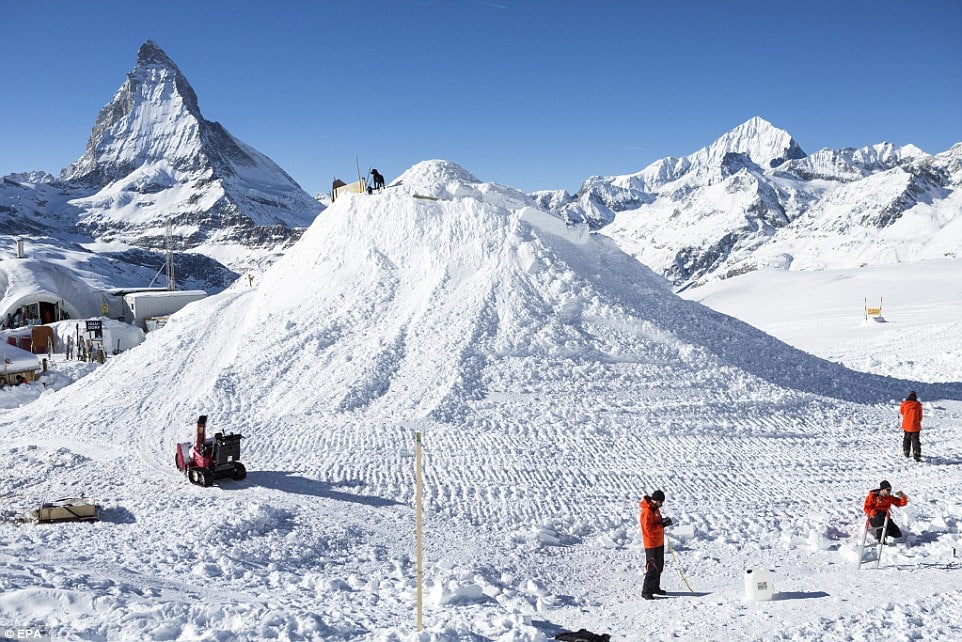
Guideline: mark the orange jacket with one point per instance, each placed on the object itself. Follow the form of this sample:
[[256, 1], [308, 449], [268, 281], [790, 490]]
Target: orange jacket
[[651, 529], [911, 412], [875, 503]]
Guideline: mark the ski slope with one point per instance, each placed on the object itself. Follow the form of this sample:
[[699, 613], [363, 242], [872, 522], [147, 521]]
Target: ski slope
[[555, 381]]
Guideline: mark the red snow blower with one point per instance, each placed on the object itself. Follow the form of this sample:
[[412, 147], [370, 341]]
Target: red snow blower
[[210, 459]]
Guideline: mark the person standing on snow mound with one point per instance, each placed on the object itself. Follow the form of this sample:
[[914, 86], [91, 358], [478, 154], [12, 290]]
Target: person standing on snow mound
[[877, 506], [653, 534], [911, 411]]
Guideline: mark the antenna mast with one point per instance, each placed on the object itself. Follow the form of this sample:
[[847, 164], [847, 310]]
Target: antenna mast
[[170, 256]]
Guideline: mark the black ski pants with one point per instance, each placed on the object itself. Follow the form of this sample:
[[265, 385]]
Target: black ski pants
[[891, 531], [654, 563], [911, 440]]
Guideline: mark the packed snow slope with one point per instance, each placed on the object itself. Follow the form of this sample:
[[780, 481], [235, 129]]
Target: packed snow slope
[[555, 380], [823, 312]]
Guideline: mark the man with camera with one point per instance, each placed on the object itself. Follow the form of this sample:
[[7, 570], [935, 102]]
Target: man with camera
[[653, 534]]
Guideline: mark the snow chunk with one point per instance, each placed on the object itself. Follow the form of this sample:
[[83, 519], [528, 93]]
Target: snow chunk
[[451, 591]]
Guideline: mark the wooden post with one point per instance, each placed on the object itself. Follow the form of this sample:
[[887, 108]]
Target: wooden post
[[417, 513]]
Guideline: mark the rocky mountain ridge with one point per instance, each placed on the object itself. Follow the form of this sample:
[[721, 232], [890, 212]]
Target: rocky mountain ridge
[[753, 199]]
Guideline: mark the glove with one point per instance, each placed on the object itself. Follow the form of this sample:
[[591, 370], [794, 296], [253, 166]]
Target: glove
[[666, 522]]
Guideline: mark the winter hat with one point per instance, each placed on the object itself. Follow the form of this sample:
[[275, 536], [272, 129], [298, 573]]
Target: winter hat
[[658, 496], [912, 396], [884, 484]]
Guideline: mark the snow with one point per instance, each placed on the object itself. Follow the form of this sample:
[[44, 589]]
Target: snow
[[16, 359], [556, 380], [752, 200], [823, 312], [61, 373]]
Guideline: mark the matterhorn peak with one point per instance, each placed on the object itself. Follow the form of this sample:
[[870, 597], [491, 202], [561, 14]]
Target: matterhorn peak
[[152, 157], [150, 54], [153, 117]]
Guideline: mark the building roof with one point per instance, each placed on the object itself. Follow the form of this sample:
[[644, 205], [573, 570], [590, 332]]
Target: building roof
[[16, 360]]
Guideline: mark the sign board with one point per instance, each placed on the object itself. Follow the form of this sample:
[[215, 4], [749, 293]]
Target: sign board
[[95, 327]]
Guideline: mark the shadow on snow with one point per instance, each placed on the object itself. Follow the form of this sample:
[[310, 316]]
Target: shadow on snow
[[799, 595], [290, 483]]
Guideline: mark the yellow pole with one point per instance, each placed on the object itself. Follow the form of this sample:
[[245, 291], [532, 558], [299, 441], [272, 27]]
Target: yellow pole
[[678, 564], [417, 512]]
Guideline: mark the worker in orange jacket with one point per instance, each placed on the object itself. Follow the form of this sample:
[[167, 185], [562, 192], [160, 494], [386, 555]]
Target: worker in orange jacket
[[653, 534], [877, 506], [911, 411]]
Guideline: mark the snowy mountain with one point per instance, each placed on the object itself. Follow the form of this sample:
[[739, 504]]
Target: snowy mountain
[[40, 215], [152, 158], [753, 199], [555, 380]]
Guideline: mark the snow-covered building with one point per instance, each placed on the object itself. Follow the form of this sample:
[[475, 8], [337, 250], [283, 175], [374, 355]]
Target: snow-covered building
[[43, 292], [18, 362]]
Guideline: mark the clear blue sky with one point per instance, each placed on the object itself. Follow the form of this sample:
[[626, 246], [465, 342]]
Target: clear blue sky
[[537, 95]]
